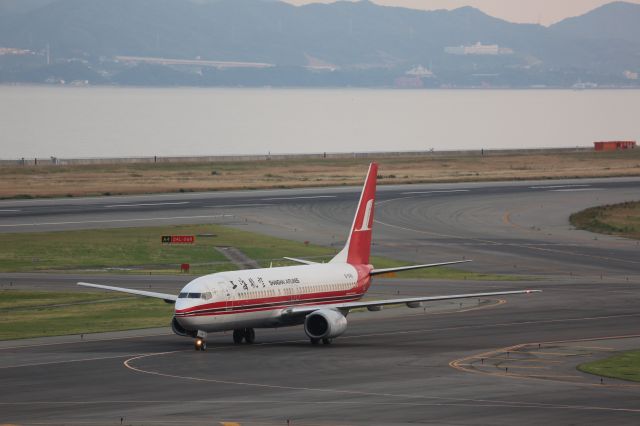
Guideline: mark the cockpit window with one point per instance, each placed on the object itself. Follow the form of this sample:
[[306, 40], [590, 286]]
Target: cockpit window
[[206, 296], [194, 295], [182, 296]]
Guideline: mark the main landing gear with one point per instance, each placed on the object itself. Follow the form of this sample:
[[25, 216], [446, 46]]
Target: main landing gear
[[246, 334], [325, 341]]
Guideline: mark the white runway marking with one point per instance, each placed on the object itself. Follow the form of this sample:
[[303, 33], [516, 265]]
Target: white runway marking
[[495, 243], [10, 210], [418, 397], [239, 205], [436, 192], [457, 402], [311, 197], [147, 204], [16, 225], [65, 361], [558, 186], [576, 189]]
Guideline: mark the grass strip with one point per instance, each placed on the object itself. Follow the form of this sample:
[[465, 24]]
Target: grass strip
[[614, 219], [624, 366], [14, 300], [131, 248], [139, 250], [23, 182], [83, 313]]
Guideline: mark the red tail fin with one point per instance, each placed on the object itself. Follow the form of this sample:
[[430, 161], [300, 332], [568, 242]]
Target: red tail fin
[[358, 247]]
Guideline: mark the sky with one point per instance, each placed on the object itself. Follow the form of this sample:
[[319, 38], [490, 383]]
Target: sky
[[543, 12]]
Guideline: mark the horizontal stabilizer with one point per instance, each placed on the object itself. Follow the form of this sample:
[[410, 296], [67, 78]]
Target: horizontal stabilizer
[[163, 296], [409, 268], [303, 261]]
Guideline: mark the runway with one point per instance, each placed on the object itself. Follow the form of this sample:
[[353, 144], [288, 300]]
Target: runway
[[393, 367]]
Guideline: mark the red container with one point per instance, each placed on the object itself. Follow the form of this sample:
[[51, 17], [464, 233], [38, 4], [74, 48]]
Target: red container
[[614, 145]]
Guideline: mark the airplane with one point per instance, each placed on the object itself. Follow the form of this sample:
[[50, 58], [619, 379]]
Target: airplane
[[318, 295]]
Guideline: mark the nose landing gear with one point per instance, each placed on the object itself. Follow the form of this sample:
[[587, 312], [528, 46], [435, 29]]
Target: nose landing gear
[[200, 344]]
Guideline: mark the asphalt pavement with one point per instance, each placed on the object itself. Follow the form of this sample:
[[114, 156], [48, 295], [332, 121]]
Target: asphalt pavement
[[445, 364]]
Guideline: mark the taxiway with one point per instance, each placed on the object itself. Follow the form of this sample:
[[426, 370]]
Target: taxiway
[[398, 366]]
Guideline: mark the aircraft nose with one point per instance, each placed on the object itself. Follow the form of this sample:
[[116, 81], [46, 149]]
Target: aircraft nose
[[186, 322]]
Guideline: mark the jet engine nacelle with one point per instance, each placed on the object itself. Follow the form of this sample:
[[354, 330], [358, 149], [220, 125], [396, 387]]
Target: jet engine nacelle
[[180, 330], [325, 324]]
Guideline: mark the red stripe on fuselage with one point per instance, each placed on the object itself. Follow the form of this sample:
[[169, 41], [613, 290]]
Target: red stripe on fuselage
[[358, 290], [280, 302], [270, 308]]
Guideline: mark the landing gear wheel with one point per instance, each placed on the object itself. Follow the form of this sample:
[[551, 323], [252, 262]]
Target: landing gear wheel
[[249, 335], [238, 336], [200, 344], [314, 341], [326, 341]]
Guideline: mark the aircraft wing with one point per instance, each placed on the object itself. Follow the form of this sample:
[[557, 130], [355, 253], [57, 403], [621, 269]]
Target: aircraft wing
[[170, 298], [409, 268], [409, 301], [303, 261]]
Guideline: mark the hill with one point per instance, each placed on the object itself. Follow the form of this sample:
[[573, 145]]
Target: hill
[[613, 21], [360, 42]]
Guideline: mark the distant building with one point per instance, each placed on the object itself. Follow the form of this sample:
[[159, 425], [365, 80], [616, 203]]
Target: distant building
[[190, 62], [630, 75], [582, 86], [420, 71], [316, 64], [478, 49], [14, 51], [614, 145]]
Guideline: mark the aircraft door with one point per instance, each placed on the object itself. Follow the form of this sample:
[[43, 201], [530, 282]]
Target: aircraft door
[[227, 294], [295, 293]]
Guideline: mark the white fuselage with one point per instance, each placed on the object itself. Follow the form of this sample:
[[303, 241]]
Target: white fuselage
[[256, 298]]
